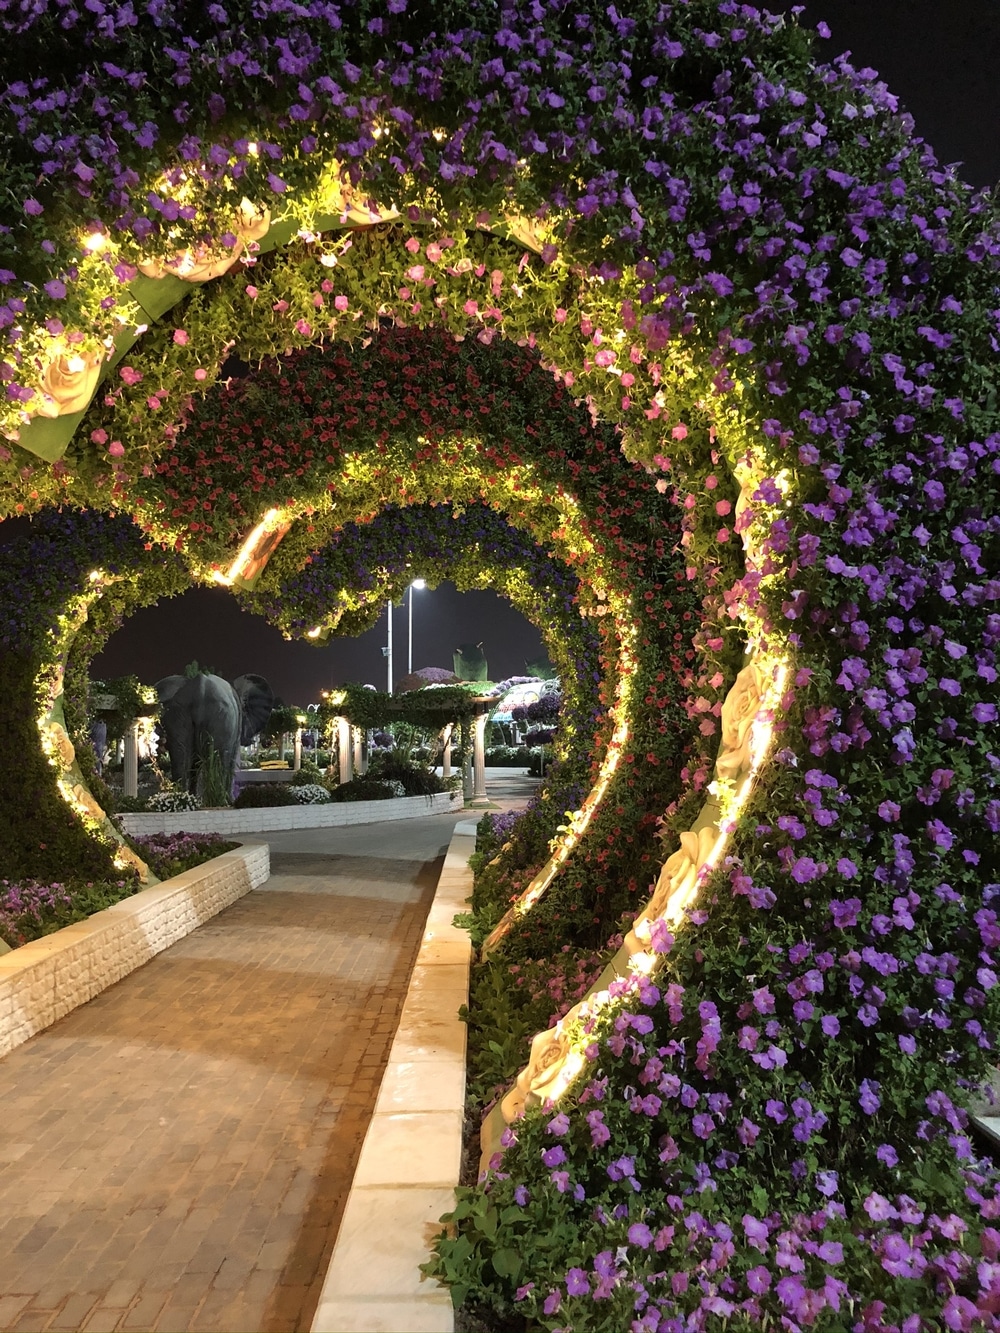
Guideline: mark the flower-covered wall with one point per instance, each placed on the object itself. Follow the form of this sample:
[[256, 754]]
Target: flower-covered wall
[[757, 281]]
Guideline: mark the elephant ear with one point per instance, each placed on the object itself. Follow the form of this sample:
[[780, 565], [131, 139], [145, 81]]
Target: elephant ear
[[168, 687], [257, 700]]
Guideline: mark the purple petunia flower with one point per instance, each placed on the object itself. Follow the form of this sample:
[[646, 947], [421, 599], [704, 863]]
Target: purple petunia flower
[[577, 1282]]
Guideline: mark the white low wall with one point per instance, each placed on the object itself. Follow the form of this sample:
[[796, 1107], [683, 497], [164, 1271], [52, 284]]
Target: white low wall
[[274, 817], [43, 981]]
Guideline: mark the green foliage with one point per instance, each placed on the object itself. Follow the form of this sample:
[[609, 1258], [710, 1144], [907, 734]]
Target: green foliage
[[362, 789], [131, 701], [255, 795], [307, 775], [284, 719], [430, 709], [213, 779], [416, 781]]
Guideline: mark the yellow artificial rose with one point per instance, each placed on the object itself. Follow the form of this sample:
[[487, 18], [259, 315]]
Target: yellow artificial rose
[[542, 1077], [68, 382], [204, 263], [675, 887], [740, 708]]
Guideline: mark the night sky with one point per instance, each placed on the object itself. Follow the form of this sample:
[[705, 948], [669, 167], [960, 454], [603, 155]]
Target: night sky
[[941, 59]]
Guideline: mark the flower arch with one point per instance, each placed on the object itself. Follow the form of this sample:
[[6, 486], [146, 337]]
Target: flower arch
[[418, 418], [803, 301]]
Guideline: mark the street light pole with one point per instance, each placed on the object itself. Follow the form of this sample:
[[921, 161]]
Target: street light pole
[[417, 583], [388, 651]]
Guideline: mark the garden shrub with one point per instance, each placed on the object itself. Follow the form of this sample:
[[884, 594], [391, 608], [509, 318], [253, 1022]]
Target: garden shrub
[[414, 780], [363, 789], [508, 756], [255, 795], [306, 776]]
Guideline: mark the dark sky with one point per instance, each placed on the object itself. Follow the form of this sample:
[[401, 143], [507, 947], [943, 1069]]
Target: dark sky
[[940, 57]]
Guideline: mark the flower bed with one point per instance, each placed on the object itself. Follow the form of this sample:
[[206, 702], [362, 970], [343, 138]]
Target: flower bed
[[29, 910], [46, 979]]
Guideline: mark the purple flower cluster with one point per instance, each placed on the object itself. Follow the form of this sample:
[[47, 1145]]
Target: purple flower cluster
[[24, 907], [169, 854]]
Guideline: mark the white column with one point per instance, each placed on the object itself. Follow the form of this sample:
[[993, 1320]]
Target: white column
[[344, 748], [446, 749], [479, 757], [467, 787], [131, 775], [297, 759], [358, 765]]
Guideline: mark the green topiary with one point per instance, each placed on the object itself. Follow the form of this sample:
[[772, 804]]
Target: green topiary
[[362, 789], [416, 781], [256, 795]]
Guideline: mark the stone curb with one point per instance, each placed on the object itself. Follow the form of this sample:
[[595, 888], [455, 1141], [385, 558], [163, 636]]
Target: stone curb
[[411, 1156], [274, 817], [43, 981]]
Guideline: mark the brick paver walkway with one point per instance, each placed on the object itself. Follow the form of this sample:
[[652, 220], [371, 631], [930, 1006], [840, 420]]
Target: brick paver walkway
[[176, 1154]]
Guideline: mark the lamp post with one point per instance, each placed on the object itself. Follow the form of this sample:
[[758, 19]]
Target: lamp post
[[417, 583], [388, 649]]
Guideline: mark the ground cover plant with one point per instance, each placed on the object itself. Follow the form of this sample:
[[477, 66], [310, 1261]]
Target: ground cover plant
[[169, 854], [779, 313], [30, 909]]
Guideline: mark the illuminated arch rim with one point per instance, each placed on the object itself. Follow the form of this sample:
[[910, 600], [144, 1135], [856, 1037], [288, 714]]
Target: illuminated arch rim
[[810, 303]]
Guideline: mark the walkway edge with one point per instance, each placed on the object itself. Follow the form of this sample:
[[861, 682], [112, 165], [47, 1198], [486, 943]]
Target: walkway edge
[[411, 1156], [45, 980]]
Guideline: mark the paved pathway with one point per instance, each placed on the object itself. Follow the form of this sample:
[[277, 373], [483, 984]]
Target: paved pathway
[[176, 1154]]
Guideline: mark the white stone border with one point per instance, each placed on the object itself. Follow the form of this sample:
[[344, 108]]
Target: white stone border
[[411, 1156], [273, 817], [43, 981]]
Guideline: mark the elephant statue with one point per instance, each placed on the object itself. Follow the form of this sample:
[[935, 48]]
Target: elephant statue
[[202, 711]]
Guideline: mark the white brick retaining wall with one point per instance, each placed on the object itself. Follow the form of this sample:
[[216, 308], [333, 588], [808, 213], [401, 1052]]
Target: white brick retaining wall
[[334, 815], [43, 981]]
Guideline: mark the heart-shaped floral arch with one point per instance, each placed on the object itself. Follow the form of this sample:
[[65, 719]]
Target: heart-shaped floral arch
[[748, 267]]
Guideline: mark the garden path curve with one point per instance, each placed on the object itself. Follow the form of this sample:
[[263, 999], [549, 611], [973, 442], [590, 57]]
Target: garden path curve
[[177, 1153]]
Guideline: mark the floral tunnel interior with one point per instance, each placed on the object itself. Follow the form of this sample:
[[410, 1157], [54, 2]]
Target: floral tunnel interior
[[777, 306]]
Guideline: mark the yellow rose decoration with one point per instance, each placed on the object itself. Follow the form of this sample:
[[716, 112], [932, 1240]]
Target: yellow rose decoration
[[675, 887], [548, 1069], [68, 382], [204, 263], [739, 710]]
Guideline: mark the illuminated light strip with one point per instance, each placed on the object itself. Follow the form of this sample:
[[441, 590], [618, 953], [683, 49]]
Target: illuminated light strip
[[686, 894], [269, 527], [579, 822], [571, 1061]]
